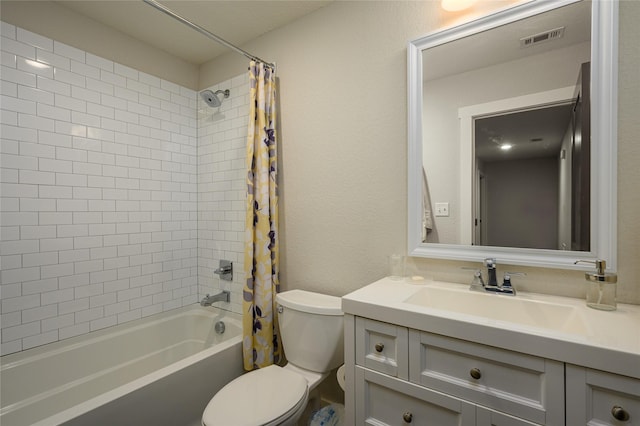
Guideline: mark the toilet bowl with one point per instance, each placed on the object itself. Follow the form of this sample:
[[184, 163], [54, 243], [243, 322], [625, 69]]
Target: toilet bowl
[[311, 330], [268, 396]]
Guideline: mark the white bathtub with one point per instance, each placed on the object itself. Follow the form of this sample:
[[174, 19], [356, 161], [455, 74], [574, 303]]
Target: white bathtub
[[161, 370]]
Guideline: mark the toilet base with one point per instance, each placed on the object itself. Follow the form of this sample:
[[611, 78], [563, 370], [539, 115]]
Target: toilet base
[[312, 377], [313, 405]]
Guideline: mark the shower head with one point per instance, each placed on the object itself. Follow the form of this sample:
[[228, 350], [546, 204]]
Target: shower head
[[212, 99]]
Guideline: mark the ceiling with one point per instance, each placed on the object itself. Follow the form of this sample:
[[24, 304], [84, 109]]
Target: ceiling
[[533, 133], [470, 53], [236, 21]]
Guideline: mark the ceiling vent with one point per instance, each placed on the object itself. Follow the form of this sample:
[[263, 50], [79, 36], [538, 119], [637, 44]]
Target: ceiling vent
[[549, 35]]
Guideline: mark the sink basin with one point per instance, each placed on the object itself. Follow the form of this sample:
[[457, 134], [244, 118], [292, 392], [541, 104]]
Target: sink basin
[[527, 312]]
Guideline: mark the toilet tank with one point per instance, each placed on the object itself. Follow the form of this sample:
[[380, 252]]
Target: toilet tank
[[312, 329]]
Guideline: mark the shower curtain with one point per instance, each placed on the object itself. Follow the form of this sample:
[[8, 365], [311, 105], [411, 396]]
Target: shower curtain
[[261, 258]]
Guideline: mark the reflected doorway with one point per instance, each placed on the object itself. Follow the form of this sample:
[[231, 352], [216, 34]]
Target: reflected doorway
[[523, 178]]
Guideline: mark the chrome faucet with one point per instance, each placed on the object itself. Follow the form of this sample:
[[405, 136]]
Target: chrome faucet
[[220, 297], [492, 286], [490, 263]]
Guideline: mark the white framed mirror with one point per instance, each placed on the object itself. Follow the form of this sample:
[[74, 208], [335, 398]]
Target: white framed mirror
[[542, 77]]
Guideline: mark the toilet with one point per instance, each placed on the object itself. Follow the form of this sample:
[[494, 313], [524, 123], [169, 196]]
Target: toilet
[[311, 330]]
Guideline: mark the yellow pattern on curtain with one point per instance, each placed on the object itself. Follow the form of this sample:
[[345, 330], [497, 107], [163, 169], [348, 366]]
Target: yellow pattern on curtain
[[261, 258]]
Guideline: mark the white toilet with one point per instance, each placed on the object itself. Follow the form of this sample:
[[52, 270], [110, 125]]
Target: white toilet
[[311, 327]]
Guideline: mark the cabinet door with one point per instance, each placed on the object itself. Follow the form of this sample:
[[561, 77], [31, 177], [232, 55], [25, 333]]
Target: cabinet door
[[486, 417], [384, 400], [598, 398]]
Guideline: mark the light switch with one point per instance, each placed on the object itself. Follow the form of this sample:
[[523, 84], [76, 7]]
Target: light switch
[[442, 209]]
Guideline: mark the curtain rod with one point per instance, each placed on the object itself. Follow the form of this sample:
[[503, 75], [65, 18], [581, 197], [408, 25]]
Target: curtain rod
[[204, 32]]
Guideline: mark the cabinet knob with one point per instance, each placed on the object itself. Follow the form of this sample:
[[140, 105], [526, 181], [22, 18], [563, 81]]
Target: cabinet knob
[[619, 413], [475, 373], [379, 347], [407, 417]]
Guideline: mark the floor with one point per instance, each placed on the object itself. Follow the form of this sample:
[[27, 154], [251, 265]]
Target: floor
[[304, 420]]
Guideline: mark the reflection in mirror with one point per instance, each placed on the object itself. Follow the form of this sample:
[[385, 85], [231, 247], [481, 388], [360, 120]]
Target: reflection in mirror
[[507, 147], [520, 160]]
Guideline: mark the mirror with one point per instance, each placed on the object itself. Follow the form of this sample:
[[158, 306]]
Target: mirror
[[512, 136]]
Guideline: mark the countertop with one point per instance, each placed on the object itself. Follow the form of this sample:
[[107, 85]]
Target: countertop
[[610, 343]]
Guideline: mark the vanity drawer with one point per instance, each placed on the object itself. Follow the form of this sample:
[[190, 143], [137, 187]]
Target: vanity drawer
[[384, 400], [486, 417], [525, 386], [595, 397], [382, 347]]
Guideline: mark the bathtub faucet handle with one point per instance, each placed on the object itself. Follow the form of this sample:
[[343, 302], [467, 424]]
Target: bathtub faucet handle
[[225, 270]]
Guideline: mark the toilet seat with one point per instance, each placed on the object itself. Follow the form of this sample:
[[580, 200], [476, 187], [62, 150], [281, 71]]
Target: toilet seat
[[264, 397]]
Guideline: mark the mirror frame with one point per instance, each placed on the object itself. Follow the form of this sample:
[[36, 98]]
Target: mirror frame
[[604, 89]]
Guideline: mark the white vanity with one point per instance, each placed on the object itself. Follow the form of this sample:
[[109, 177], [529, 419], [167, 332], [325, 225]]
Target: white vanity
[[437, 353]]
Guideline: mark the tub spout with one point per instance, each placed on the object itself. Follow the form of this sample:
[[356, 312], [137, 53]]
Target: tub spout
[[220, 297]]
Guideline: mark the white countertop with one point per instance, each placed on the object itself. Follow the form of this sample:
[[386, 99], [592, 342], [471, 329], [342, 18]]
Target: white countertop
[[611, 342]]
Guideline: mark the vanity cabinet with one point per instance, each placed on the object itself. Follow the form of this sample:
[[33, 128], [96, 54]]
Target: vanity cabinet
[[599, 398], [444, 355], [404, 376]]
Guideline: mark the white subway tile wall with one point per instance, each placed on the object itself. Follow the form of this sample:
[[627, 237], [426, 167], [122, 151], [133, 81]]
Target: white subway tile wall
[[222, 189], [109, 210]]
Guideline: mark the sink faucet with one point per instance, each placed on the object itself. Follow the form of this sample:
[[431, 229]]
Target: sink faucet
[[492, 286], [490, 263], [220, 297]]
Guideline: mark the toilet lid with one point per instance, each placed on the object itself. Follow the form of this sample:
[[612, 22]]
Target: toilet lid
[[257, 398]]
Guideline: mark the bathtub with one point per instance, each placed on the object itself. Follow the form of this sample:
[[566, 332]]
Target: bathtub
[[160, 370]]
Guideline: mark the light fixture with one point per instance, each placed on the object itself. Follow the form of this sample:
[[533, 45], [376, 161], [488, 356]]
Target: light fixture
[[506, 146], [457, 5]]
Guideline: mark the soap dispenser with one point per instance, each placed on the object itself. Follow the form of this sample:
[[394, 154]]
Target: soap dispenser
[[601, 286]]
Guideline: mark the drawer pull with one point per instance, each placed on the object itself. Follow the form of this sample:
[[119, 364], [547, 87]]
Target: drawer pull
[[379, 347], [407, 417], [475, 373], [619, 413]]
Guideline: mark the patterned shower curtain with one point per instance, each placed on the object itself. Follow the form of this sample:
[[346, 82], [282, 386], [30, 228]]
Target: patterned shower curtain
[[261, 257]]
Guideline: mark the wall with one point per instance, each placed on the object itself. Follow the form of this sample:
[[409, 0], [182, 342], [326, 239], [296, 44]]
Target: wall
[[629, 153], [343, 89], [103, 179], [99, 192], [522, 203], [222, 135]]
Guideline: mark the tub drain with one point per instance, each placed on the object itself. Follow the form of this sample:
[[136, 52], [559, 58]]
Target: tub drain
[[220, 327]]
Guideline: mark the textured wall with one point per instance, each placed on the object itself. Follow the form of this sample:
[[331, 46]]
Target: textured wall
[[629, 153], [343, 98]]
